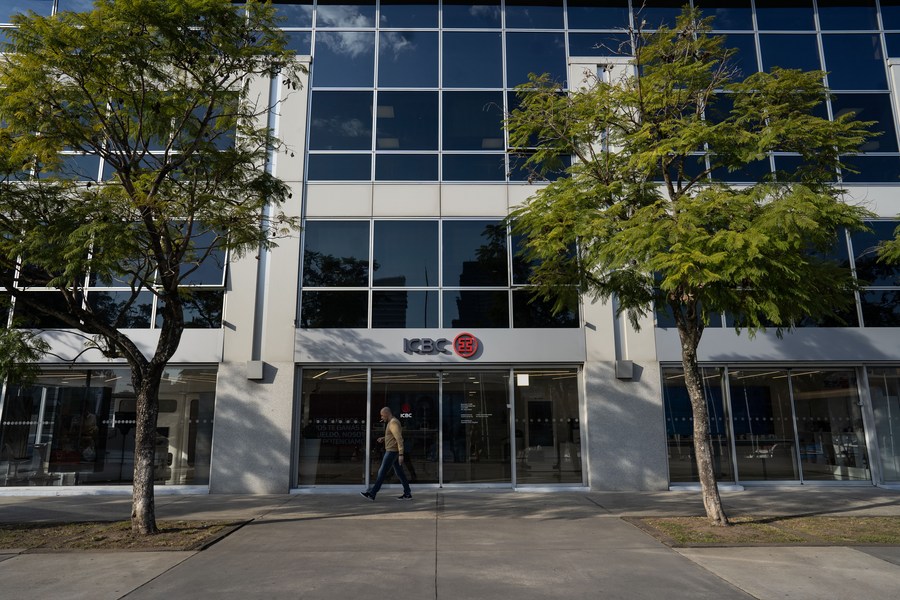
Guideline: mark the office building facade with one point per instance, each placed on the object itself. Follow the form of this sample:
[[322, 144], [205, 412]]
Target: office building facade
[[404, 288]]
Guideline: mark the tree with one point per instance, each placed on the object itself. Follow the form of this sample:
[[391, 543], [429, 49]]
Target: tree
[[160, 90], [651, 220]]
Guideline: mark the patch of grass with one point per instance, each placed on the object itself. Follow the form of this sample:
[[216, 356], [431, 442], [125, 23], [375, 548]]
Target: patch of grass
[[173, 535], [753, 531]]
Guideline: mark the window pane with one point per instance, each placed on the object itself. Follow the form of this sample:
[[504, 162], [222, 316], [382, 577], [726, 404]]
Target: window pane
[[787, 166], [474, 254], [79, 167], [656, 13], [407, 121], [474, 167], [890, 14], [871, 169], [26, 317], [299, 41], [408, 13], [341, 121], [404, 309], [785, 15], [729, 14], [337, 13], [535, 53], [405, 253], [332, 426], [41, 7], [202, 309], [752, 172], [744, 57], [408, 59], [534, 14], [344, 59], [476, 308], [598, 14], [854, 62], [406, 167], [763, 425], [529, 311], [336, 254], [599, 44], [207, 259], [110, 308], [322, 309], [466, 14], [680, 426], [472, 59], [884, 387], [829, 426], [473, 121], [848, 14], [294, 13], [340, 167], [789, 52], [870, 107], [547, 428], [881, 308], [865, 256]]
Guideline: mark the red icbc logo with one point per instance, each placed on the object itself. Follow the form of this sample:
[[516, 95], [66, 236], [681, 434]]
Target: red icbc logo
[[466, 345]]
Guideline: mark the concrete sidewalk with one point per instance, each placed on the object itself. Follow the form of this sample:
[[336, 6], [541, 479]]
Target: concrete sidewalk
[[455, 544]]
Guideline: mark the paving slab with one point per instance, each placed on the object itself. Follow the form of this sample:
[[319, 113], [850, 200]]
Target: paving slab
[[801, 572], [890, 554]]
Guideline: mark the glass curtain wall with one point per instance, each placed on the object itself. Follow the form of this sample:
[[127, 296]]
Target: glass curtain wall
[[77, 428], [456, 425], [786, 424], [884, 387]]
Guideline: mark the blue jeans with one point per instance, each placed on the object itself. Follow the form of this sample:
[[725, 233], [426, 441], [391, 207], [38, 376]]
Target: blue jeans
[[390, 460]]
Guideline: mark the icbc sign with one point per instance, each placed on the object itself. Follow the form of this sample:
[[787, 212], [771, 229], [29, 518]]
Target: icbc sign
[[465, 345]]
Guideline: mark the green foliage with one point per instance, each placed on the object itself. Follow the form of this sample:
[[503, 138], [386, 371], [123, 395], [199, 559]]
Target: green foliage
[[644, 202], [162, 91], [19, 352]]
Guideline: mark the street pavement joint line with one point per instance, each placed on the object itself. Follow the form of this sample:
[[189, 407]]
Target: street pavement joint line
[[713, 573], [158, 575], [594, 502]]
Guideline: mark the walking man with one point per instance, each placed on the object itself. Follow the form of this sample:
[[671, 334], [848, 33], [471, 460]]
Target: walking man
[[393, 456]]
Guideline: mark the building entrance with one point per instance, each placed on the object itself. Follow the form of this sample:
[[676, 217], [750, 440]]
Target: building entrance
[[459, 426]]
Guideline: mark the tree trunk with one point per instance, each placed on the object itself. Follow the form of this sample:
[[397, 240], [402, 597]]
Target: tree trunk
[[143, 507], [690, 340]]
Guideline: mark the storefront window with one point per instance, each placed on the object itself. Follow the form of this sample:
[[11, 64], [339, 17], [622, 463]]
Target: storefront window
[[884, 386], [680, 426], [77, 428]]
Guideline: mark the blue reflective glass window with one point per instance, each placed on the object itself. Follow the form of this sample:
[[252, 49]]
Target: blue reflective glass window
[[890, 14], [406, 167], [788, 166], [893, 43], [300, 42], [404, 309], [41, 7], [534, 14], [344, 59], [598, 14], [785, 15], [408, 59], [476, 308], [338, 13], [848, 14], [744, 57], [474, 167], [340, 167], [599, 44], [408, 13], [789, 51], [881, 308], [870, 107], [206, 260], [727, 14], [345, 309], [113, 308], [535, 53], [472, 59], [26, 317], [657, 13], [405, 253], [865, 243], [749, 173], [465, 14], [294, 13], [407, 121], [473, 121], [336, 254], [518, 171], [871, 169], [79, 167], [474, 254], [854, 62], [340, 121], [201, 309], [529, 311]]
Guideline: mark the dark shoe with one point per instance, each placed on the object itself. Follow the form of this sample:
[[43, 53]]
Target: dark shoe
[[367, 496], [405, 497]]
